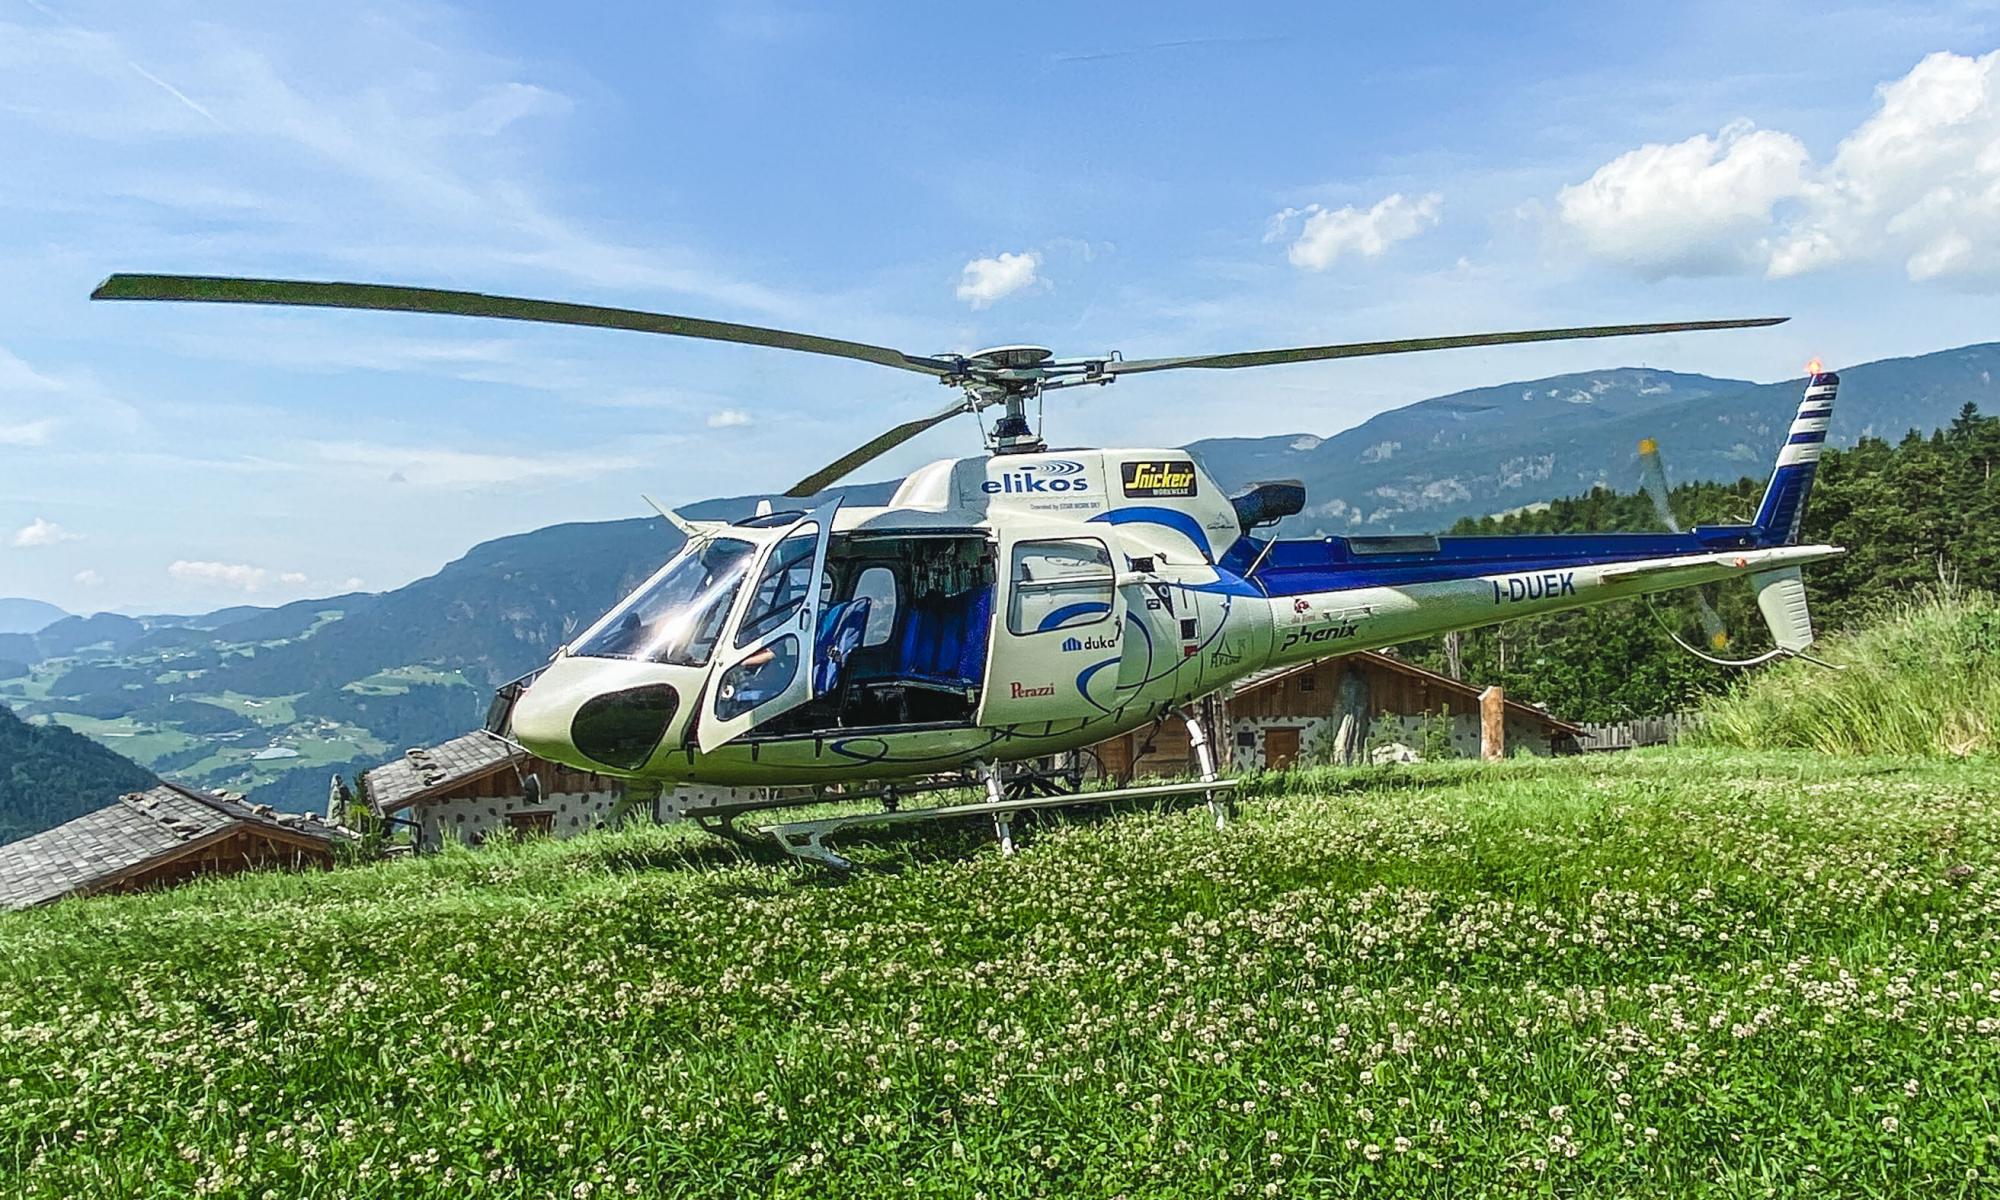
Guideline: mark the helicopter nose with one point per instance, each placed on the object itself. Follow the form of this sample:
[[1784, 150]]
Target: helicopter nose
[[541, 721], [581, 717]]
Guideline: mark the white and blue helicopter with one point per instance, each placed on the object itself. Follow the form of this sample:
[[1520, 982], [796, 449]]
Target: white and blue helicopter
[[1004, 611]]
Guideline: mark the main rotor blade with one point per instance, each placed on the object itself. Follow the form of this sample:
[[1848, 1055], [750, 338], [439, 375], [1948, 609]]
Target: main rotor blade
[[392, 298], [1265, 358], [871, 449]]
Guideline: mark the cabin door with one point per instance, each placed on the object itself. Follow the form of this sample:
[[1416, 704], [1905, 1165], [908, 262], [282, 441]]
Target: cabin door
[[767, 666], [1056, 637]]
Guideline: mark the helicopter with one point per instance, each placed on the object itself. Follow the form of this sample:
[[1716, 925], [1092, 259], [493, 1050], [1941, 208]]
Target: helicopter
[[1004, 611]]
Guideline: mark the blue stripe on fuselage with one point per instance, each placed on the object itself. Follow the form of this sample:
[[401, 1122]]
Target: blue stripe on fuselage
[[1068, 614], [1172, 518], [1295, 568]]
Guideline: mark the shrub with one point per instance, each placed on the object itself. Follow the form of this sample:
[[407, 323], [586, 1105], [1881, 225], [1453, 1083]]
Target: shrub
[[1923, 679]]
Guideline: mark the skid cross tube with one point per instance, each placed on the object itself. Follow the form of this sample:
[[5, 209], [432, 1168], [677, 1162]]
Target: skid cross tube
[[807, 839]]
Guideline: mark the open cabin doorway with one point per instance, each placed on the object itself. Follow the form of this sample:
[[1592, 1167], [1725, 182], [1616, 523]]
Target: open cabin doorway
[[903, 637]]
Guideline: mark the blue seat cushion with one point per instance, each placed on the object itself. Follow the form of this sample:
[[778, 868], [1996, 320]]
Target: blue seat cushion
[[944, 639], [841, 628]]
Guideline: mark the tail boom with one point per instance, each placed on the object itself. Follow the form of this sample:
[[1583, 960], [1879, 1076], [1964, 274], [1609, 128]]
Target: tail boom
[[1313, 625]]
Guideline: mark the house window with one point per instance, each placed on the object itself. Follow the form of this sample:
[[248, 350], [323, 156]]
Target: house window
[[1059, 584], [1305, 683], [1246, 739]]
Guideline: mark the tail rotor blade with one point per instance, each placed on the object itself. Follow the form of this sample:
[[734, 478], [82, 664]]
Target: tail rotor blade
[[1653, 482]]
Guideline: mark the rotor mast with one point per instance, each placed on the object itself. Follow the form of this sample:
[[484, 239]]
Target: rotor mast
[[1008, 377]]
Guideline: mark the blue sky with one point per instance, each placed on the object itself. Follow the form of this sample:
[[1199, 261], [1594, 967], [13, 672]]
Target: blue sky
[[1149, 178]]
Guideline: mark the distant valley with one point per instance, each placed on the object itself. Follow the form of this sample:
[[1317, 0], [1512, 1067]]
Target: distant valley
[[272, 701]]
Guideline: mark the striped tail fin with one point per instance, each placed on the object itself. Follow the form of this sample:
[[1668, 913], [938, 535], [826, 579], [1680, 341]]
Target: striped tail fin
[[1784, 506]]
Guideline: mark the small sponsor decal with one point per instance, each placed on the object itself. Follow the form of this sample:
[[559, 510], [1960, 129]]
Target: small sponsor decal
[[1302, 606], [1026, 691], [1335, 632], [1169, 478], [1544, 586], [1104, 641], [1226, 656]]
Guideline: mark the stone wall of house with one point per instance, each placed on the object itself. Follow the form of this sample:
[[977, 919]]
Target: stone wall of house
[[692, 798], [1246, 741], [470, 820]]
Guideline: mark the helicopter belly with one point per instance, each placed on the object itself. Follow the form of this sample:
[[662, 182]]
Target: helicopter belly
[[887, 754]]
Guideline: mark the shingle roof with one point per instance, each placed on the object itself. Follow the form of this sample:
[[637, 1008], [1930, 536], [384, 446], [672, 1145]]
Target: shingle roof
[[121, 837], [420, 772], [1257, 679]]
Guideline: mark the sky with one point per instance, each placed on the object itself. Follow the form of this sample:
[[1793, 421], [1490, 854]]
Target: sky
[[1148, 178]]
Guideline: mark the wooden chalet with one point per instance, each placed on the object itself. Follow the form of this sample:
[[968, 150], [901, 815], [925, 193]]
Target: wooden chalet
[[157, 838], [471, 786], [1331, 710]]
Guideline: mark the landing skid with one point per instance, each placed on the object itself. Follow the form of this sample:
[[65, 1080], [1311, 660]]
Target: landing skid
[[807, 839], [1026, 789]]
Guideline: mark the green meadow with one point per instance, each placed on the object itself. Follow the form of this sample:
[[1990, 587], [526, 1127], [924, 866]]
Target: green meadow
[[1680, 972]]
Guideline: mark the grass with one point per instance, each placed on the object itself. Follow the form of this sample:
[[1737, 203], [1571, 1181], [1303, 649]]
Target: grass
[[1923, 680], [1684, 972]]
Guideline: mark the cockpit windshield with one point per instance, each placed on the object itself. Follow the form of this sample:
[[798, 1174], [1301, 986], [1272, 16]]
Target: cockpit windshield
[[677, 617]]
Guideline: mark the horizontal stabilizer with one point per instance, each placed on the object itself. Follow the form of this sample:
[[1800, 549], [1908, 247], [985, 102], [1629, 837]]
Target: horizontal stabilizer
[[1781, 597], [1700, 567]]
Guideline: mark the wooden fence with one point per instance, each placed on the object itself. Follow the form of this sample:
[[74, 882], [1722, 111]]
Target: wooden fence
[[1645, 731]]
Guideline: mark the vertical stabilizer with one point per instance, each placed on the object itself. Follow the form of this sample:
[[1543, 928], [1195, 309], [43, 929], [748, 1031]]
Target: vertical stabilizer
[[1781, 597], [1784, 506]]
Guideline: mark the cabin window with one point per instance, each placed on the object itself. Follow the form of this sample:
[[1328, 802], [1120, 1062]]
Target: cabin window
[[877, 585], [1059, 584], [781, 589]]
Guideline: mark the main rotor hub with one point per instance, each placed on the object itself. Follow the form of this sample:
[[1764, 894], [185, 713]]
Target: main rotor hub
[[1011, 357]]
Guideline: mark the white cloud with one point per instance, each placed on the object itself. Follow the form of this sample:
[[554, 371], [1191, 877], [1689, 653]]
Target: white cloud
[[465, 470], [728, 417], [1698, 207], [40, 532], [1916, 184], [440, 143], [985, 280], [27, 433], [1328, 234], [87, 578], [240, 576]]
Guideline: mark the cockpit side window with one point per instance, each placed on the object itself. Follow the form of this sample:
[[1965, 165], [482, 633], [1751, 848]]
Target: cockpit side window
[[677, 616], [781, 589]]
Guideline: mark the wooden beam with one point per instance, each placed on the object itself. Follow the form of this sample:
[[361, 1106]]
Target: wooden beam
[[1493, 724]]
